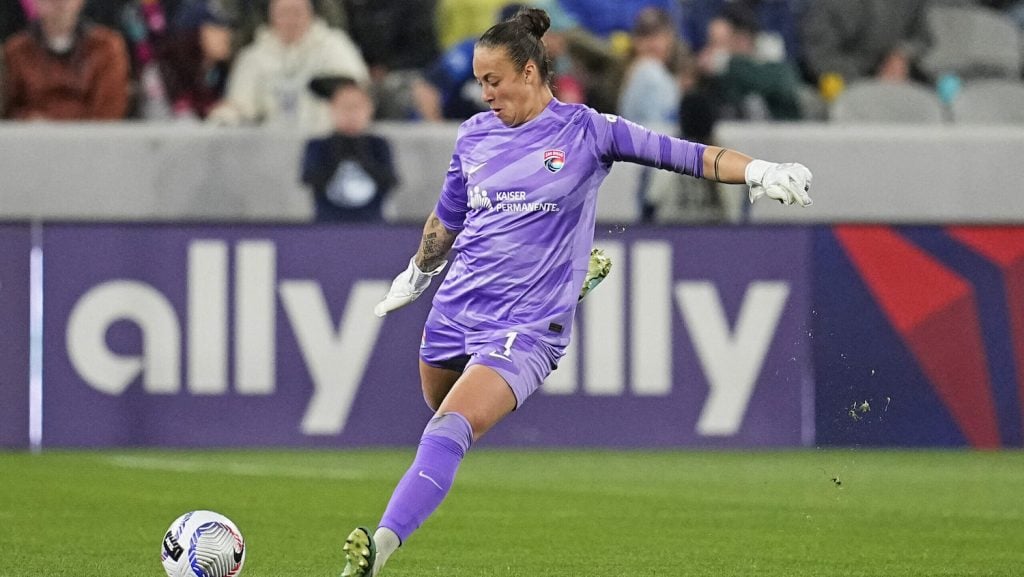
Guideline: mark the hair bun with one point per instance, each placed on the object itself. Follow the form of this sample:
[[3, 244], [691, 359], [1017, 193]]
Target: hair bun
[[535, 20]]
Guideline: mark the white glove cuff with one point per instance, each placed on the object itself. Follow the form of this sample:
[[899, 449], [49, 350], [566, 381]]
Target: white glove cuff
[[430, 273], [756, 169]]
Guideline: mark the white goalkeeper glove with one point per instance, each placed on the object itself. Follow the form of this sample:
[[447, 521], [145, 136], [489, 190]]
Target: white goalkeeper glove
[[406, 287], [787, 183]]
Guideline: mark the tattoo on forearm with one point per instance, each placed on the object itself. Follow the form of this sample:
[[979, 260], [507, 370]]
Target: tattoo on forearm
[[437, 241], [717, 158], [430, 244]]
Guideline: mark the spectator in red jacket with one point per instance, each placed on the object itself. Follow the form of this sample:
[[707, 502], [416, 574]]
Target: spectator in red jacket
[[63, 68]]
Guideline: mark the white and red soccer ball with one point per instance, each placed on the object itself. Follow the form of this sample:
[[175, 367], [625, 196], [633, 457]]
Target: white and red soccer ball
[[202, 544]]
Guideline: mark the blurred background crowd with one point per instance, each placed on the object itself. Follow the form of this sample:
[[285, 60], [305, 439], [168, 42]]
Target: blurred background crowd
[[682, 64]]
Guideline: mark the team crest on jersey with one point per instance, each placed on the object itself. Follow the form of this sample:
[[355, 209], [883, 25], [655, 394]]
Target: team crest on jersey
[[554, 159]]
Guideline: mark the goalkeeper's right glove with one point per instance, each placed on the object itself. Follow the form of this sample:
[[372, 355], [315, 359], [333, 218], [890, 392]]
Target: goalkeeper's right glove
[[598, 268], [786, 183], [406, 287]]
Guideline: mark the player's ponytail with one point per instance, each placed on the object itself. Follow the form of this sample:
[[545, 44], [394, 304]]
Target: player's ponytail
[[520, 36]]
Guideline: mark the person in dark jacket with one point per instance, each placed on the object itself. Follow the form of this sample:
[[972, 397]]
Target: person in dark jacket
[[195, 59], [349, 171], [398, 39]]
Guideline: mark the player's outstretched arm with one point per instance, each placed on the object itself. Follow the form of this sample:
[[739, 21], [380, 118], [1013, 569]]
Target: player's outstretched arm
[[429, 261], [787, 183], [618, 139]]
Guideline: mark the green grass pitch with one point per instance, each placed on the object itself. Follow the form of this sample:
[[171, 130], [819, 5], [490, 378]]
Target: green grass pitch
[[532, 513]]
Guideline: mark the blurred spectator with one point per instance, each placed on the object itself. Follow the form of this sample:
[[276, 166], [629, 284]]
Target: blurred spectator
[[746, 86], [15, 16], [777, 18], [651, 88], [63, 68], [195, 58], [458, 20], [351, 170], [449, 90], [863, 38], [144, 25], [250, 15], [604, 17], [593, 63], [650, 91], [107, 13], [399, 40], [268, 81], [581, 66], [566, 43]]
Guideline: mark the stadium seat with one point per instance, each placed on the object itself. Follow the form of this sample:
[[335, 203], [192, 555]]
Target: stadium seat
[[990, 102], [972, 42], [871, 101], [812, 106]]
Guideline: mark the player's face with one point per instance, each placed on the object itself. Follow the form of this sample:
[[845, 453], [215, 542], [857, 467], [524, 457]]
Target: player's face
[[511, 94]]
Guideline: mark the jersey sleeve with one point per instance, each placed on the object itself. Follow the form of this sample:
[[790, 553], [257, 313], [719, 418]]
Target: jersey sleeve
[[617, 139], [452, 207]]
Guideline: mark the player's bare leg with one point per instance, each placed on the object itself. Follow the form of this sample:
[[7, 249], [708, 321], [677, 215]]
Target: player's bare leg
[[436, 382], [482, 396]]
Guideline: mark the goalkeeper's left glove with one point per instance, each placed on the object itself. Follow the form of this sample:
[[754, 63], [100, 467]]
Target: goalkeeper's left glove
[[787, 183], [407, 287]]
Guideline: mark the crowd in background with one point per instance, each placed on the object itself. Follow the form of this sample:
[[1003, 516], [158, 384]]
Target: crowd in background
[[679, 63], [250, 61]]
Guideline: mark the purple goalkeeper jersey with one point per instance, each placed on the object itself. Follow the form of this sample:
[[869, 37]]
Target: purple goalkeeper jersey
[[524, 202]]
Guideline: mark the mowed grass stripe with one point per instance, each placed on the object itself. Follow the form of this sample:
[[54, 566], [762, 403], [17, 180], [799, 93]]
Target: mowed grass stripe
[[532, 513]]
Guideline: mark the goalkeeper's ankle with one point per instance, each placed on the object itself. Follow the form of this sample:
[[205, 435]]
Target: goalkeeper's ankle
[[387, 543]]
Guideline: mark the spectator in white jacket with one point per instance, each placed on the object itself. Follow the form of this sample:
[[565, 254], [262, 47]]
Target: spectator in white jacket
[[267, 84]]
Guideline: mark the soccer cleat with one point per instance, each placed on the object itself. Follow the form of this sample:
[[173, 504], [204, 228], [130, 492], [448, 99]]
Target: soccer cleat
[[360, 553], [597, 269]]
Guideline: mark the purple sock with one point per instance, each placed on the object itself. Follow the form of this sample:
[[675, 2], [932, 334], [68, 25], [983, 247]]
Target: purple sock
[[444, 443]]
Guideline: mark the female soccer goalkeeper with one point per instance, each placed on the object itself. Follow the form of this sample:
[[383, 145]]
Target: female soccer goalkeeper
[[518, 205]]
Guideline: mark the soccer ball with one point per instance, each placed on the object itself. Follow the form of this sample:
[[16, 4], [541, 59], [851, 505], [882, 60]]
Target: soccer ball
[[203, 544]]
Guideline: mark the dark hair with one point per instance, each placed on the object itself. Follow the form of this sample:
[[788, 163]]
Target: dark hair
[[652, 20], [520, 36], [742, 18], [325, 86]]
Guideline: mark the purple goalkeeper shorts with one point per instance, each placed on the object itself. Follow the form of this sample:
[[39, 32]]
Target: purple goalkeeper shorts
[[523, 360]]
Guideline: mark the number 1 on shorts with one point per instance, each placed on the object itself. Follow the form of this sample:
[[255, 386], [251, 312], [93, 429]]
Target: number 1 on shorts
[[509, 339]]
